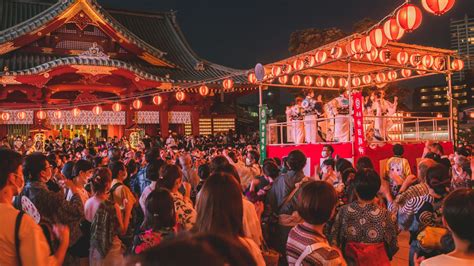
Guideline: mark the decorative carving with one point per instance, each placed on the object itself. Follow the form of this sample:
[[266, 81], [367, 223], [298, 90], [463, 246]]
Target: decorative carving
[[14, 120], [148, 117], [96, 51], [82, 20], [88, 118], [179, 117], [9, 80], [94, 70], [199, 66], [6, 47], [85, 97]]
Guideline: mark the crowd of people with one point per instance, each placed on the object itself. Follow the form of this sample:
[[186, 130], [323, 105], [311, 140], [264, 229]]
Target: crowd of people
[[190, 202]]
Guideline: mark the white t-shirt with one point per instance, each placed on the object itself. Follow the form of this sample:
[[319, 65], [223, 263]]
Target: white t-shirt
[[442, 260], [145, 194], [90, 208]]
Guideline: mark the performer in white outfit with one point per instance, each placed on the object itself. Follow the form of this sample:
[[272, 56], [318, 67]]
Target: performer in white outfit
[[310, 117], [297, 121], [339, 108], [383, 109]]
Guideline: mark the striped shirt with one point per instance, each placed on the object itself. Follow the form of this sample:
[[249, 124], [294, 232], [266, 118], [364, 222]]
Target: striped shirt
[[407, 204], [304, 235]]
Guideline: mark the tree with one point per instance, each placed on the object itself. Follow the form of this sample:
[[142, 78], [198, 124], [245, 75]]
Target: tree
[[305, 40], [363, 25]]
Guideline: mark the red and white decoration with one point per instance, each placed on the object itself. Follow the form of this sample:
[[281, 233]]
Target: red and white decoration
[[180, 96], [392, 30], [16, 117], [137, 104], [437, 7], [377, 37], [204, 90], [148, 117], [308, 80], [179, 117], [89, 118], [296, 80], [358, 116], [157, 100], [409, 17]]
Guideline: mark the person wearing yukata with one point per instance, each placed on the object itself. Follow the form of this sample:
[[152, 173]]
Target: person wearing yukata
[[339, 109], [383, 109], [297, 123]]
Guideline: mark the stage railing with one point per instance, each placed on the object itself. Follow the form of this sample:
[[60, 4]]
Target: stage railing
[[378, 129]]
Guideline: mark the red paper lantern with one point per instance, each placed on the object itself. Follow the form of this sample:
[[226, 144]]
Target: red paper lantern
[[116, 107], [366, 44], [367, 79], [439, 63], [385, 55], [422, 70], [276, 71], [356, 81], [457, 65], [296, 80], [372, 55], [406, 73], [5, 117], [283, 79], [41, 115], [380, 77], [356, 46], [180, 96], [377, 37], [409, 17], [76, 112], [437, 7], [310, 61], [229, 83], [415, 60], [97, 110], [157, 100], [358, 56], [21, 115], [137, 104], [427, 61], [403, 57], [308, 80], [204, 90], [320, 57], [392, 75], [320, 82], [287, 69], [57, 114], [392, 30], [342, 82], [298, 64], [336, 52], [252, 78], [348, 49], [331, 82]]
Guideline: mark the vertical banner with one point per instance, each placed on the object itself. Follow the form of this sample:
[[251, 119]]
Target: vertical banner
[[358, 116], [263, 111], [455, 122]]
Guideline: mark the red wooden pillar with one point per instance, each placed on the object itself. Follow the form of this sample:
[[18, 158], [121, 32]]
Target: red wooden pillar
[[195, 122], [164, 122]]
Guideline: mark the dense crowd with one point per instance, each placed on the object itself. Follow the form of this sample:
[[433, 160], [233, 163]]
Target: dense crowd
[[209, 201]]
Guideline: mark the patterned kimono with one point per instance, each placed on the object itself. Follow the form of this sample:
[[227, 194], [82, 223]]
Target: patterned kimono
[[184, 210], [383, 108]]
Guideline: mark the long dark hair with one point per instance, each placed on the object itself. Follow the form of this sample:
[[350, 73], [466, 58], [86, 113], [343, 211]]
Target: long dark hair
[[159, 210], [458, 211]]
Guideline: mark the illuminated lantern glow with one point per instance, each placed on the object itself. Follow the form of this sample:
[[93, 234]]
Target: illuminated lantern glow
[[457, 65], [437, 7], [137, 104], [21, 115], [377, 37], [180, 96], [358, 56], [116, 107], [380, 77], [287, 69], [229, 83], [97, 110], [403, 57], [41, 115], [296, 80], [283, 79], [409, 17], [76, 112], [356, 82], [349, 49], [5, 116], [342, 82], [298, 64], [252, 78], [308, 80], [392, 75], [406, 73], [336, 52], [276, 71], [331, 82], [204, 90], [320, 82], [392, 30], [157, 100], [415, 59], [356, 46], [367, 79], [320, 57], [422, 70], [57, 114], [372, 55], [366, 44], [427, 61], [439, 63], [385, 55]]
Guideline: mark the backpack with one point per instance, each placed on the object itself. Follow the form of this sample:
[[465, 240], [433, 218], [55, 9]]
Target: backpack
[[308, 250], [104, 228], [361, 254]]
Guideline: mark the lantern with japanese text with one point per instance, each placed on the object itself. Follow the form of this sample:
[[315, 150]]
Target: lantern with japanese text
[[320, 57], [308, 80], [380, 77], [367, 79], [252, 78], [392, 30], [5, 117], [342, 82], [336, 52], [57, 114], [366, 44], [283, 79], [427, 61], [457, 65], [331, 82], [41, 115], [406, 73], [296, 80], [402, 58], [76, 112], [116, 107], [21, 115], [276, 71], [309, 61], [409, 17], [372, 55], [439, 63], [229, 83], [97, 110], [385, 55], [157, 100], [204, 90], [180, 96], [320, 82], [137, 104], [392, 75], [415, 59], [298, 64], [356, 81], [437, 7], [377, 37]]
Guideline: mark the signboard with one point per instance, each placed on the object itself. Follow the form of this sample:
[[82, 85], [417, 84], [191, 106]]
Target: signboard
[[263, 117], [455, 122], [358, 117]]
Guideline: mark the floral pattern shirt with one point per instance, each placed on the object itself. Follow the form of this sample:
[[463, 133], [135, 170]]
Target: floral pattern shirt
[[150, 238], [184, 211]]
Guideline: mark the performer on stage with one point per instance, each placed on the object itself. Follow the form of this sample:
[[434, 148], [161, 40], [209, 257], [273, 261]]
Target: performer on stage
[[339, 108], [296, 116], [383, 109], [313, 110]]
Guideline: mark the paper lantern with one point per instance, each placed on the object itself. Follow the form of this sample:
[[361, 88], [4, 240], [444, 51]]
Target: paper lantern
[[41, 115], [358, 56], [342, 82], [427, 61], [76, 112], [367, 79], [439, 63], [57, 114], [403, 57], [116, 107], [356, 46], [204, 90], [157, 100], [457, 65], [380, 77], [252, 78], [336, 52], [283, 79], [320, 57], [377, 37], [97, 110], [349, 49], [331, 82], [392, 75], [422, 70], [406, 73], [415, 59], [366, 44], [310, 61], [180, 96], [372, 55], [437, 7], [296, 80], [229, 83], [276, 71], [298, 64], [392, 30], [320, 82], [21, 115], [356, 81], [385, 55], [5, 117], [137, 104], [409, 17], [308, 80], [287, 69]]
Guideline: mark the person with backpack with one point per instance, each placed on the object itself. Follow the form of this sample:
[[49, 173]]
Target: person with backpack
[[307, 244], [22, 241], [362, 229]]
